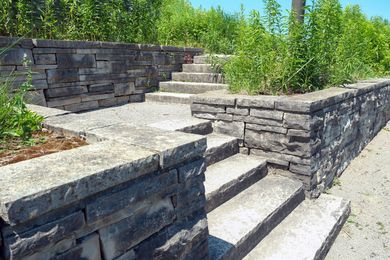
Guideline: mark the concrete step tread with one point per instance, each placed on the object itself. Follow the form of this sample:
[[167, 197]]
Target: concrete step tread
[[307, 233], [215, 140], [169, 97], [229, 170], [190, 87], [202, 68], [238, 225], [197, 77], [220, 147], [193, 83], [186, 125]]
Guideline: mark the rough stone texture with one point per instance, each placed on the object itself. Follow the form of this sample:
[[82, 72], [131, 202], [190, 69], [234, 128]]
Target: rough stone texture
[[229, 177], [109, 199], [239, 224], [90, 68], [307, 233], [220, 147], [31, 188], [314, 135]]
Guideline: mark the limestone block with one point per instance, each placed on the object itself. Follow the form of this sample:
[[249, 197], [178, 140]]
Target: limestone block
[[87, 248], [136, 98], [35, 187], [235, 129], [16, 57], [262, 101], [173, 147], [122, 89], [96, 96], [224, 117], [45, 59], [297, 121], [22, 244], [36, 98], [237, 111], [119, 237], [274, 129], [207, 108], [192, 170], [62, 75], [75, 61], [268, 114], [54, 250], [63, 101], [101, 88], [64, 92], [155, 184]]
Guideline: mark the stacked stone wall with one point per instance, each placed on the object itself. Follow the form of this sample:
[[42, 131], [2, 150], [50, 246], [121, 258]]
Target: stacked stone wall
[[314, 136], [77, 75], [117, 198]]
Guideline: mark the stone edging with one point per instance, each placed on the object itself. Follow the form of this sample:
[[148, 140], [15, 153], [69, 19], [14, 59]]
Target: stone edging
[[313, 135]]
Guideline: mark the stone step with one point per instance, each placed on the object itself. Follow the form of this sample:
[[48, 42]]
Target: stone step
[[205, 59], [239, 224], [190, 87], [307, 233], [220, 147], [229, 177], [168, 97], [186, 125], [198, 77], [199, 68]]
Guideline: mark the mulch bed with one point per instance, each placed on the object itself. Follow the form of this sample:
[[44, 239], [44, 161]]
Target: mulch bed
[[42, 143]]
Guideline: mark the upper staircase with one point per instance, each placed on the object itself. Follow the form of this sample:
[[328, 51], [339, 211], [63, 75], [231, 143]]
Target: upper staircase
[[196, 78]]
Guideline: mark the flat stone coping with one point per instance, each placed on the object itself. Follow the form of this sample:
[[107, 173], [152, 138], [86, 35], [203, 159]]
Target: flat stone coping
[[38, 43], [302, 103], [173, 147], [47, 112], [34, 187]]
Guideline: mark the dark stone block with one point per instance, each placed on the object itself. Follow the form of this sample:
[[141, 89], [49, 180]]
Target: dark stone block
[[62, 75], [45, 59], [16, 57], [64, 92], [75, 61]]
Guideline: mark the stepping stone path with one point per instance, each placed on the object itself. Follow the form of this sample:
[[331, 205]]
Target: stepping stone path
[[252, 214]]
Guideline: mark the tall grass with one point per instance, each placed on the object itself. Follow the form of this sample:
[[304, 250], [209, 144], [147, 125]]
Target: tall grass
[[274, 53], [279, 55]]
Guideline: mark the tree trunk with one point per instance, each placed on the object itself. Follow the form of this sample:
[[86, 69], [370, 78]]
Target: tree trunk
[[298, 7]]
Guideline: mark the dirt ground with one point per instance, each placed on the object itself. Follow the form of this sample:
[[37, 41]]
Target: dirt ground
[[366, 182]]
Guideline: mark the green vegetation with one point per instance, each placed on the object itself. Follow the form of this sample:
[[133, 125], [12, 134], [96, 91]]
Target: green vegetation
[[16, 121], [278, 55], [274, 53]]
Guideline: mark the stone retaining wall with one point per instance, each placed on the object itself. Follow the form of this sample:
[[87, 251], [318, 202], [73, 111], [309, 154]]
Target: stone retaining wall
[[123, 196], [77, 75], [314, 135]]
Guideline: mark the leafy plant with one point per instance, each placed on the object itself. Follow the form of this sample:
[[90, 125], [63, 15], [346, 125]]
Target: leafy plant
[[16, 120]]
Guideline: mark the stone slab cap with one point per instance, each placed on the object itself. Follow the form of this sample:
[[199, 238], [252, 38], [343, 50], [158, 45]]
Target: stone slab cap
[[260, 101], [314, 101], [218, 97], [47, 112], [368, 85], [178, 124], [76, 124], [34, 187], [173, 147]]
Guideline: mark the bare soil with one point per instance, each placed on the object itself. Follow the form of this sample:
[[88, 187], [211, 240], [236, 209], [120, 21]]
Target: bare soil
[[42, 143]]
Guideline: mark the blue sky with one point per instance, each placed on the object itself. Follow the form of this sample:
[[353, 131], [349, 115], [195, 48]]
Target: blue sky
[[369, 7]]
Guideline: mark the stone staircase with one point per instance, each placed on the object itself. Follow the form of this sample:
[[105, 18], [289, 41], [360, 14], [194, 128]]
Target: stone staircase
[[254, 214], [196, 78]]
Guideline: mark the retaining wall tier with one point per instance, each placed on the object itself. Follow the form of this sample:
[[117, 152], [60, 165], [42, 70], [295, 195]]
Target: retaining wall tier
[[117, 198], [79, 75], [314, 136]]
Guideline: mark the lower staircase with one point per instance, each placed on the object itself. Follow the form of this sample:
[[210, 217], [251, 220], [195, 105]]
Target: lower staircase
[[252, 214]]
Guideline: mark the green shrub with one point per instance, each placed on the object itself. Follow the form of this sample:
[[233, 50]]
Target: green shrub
[[279, 55], [16, 120]]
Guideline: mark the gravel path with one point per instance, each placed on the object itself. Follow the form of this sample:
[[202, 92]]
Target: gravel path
[[366, 182]]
